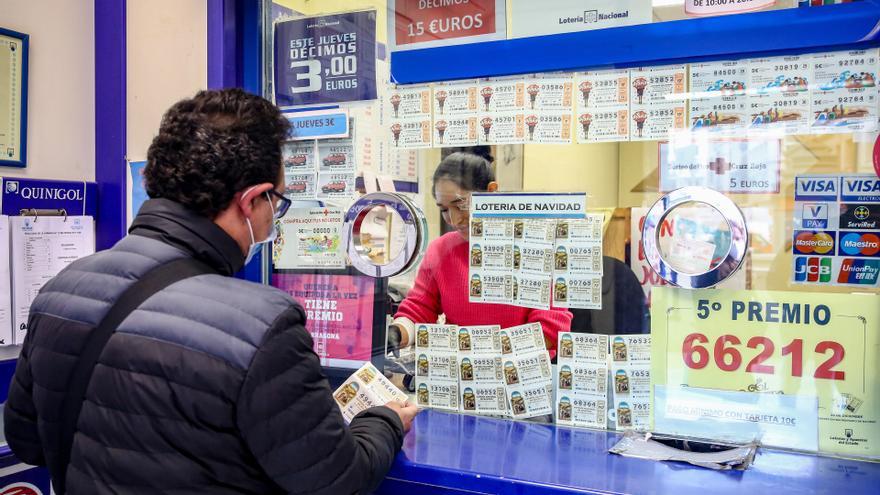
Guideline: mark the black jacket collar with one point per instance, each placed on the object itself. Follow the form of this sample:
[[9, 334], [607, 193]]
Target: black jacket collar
[[174, 224]]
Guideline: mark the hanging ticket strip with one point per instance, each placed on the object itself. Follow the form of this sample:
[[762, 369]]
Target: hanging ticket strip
[[535, 250], [821, 93], [588, 367], [836, 238]]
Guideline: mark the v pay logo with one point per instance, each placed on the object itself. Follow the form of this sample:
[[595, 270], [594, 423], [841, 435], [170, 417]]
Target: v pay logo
[[814, 216], [812, 269]]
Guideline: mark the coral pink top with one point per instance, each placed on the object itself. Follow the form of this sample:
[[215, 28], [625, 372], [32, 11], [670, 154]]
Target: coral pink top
[[441, 287]]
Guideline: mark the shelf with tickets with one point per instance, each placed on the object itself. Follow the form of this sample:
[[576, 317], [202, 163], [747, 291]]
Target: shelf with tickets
[[761, 34]]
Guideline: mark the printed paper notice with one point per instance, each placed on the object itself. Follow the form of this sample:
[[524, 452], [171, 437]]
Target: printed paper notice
[[5, 289], [41, 248]]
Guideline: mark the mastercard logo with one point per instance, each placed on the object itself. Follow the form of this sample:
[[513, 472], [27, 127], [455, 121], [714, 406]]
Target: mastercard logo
[[808, 242]]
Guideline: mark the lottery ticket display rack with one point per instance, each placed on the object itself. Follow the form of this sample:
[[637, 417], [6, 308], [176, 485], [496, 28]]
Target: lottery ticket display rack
[[452, 453]]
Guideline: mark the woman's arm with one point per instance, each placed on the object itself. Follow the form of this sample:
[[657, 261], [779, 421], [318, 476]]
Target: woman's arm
[[422, 303]]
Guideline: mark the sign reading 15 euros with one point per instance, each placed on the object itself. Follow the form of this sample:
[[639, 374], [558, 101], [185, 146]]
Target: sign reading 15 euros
[[799, 343], [326, 59]]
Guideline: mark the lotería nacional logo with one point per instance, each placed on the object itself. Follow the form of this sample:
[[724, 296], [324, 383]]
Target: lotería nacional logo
[[813, 242], [812, 269], [860, 244]]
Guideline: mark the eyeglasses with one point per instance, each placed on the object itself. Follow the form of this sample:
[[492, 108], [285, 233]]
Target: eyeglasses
[[282, 204]]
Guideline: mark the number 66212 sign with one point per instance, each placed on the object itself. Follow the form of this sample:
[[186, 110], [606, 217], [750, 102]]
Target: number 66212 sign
[[796, 343]]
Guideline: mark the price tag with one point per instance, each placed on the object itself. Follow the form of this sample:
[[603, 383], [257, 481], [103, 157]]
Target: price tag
[[796, 343]]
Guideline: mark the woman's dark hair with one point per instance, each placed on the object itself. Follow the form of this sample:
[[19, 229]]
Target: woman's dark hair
[[213, 145], [467, 170]]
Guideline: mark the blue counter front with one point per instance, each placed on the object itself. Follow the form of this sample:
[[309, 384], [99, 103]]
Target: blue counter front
[[456, 454]]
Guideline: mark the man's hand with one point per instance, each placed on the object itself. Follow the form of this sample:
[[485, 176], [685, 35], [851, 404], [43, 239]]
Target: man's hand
[[393, 339], [407, 412]]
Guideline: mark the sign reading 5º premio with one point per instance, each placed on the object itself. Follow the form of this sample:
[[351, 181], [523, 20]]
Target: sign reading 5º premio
[[326, 59], [795, 343]]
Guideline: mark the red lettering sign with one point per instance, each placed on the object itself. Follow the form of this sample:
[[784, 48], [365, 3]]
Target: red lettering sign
[[418, 21]]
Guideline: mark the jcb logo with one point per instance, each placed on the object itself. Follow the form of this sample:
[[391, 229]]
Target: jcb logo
[[812, 270]]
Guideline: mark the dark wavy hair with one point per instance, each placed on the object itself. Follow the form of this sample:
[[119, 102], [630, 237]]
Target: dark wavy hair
[[467, 170], [213, 145]]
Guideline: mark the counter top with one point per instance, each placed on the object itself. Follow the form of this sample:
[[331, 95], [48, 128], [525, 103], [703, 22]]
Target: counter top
[[452, 453]]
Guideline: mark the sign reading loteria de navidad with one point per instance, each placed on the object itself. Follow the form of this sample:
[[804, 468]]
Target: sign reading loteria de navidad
[[811, 345], [529, 205]]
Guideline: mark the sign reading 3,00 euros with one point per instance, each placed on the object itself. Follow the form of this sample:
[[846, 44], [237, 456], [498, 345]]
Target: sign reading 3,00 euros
[[795, 343], [326, 59]]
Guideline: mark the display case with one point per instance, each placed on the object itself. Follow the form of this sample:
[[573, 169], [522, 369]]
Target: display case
[[666, 227]]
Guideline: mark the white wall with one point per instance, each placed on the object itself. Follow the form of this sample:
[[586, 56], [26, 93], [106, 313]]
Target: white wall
[[167, 56], [61, 86]]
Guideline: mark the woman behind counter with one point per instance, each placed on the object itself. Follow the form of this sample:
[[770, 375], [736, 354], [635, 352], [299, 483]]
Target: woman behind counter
[[441, 286]]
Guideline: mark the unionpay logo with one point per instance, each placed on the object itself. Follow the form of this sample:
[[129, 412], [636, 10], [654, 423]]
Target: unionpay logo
[[814, 216], [813, 242], [859, 271], [812, 269], [857, 244]]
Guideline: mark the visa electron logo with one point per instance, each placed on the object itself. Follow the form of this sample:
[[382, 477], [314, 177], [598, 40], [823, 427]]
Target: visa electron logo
[[815, 216], [854, 244], [862, 186], [812, 269], [861, 272], [810, 242]]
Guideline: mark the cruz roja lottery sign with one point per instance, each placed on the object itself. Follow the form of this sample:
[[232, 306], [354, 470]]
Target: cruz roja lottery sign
[[836, 238]]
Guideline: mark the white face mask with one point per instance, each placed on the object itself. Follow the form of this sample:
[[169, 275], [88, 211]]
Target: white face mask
[[273, 233]]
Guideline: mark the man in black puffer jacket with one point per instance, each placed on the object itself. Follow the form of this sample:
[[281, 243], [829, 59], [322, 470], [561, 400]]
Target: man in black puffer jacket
[[211, 384]]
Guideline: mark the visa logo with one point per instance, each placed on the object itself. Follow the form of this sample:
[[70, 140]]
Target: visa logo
[[816, 187]]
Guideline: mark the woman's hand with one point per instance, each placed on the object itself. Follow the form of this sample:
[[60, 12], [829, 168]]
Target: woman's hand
[[393, 338]]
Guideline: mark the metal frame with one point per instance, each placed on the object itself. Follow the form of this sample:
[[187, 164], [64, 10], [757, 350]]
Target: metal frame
[[22, 142]]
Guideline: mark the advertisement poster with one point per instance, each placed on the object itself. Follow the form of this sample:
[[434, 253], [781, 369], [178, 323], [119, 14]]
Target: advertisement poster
[[718, 96], [5, 289], [845, 91], [310, 238], [779, 96], [138, 192], [423, 24], [325, 59], [796, 343], [339, 314], [529, 18], [734, 165], [836, 237]]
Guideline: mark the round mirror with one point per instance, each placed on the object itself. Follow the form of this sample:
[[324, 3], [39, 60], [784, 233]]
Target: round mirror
[[385, 234], [695, 237]]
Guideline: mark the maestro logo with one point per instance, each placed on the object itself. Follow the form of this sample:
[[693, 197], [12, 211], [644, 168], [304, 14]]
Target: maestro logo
[[812, 269], [859, 271], [813, 242], [857, 244]]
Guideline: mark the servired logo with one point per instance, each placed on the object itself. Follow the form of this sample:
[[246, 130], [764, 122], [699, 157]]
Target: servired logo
[[856, 244], [813, 242], [812, 269], [859, 271]]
